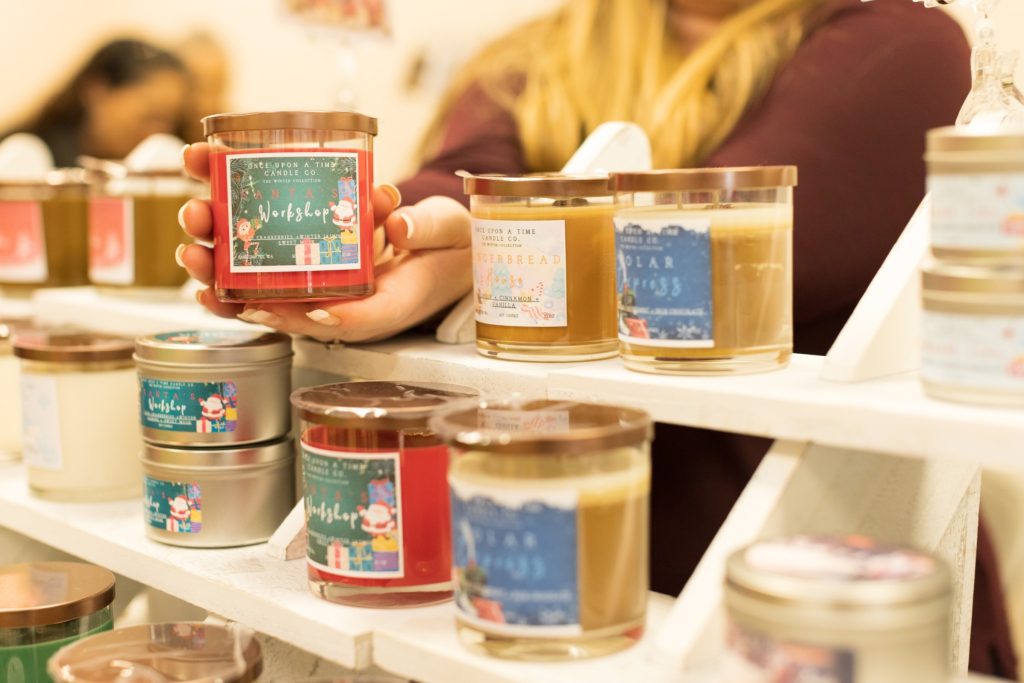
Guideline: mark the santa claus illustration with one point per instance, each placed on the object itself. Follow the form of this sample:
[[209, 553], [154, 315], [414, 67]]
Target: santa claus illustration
[[378, 519], [214, 411], [178, 519], [344, 214]]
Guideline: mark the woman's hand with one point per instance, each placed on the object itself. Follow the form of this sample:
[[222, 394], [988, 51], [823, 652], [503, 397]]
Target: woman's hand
[[429, 269]]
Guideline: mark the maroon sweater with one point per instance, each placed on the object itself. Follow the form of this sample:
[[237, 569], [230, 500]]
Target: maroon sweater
[[850, 109]]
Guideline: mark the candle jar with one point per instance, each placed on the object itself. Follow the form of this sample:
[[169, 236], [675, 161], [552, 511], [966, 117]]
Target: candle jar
[[10, 417], [80, 427], [212, 388], [193, 495], [976, 185], [704, 269], [44, 232], [292, 214], [549, 524], [45, 606], [186, 652], [836, 609], [543, 275], [133, 230], [375, 494], [972, 333]]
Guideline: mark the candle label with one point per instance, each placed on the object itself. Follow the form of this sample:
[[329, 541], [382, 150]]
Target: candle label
[[112, 240], [40, 415], [663, 275], [353, 513], [976, 351], [174, 506], [173, 406], [22, 243], [519, 273], [977, 211], [294, 211], [515, 559], [755, 657]]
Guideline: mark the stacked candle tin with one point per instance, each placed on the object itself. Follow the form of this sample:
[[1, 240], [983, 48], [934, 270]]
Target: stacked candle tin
[[218, 459]]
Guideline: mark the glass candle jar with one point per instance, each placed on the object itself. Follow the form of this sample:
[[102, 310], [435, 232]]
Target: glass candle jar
[[10, 416], [133, 230], [193, 495], [212, 388], [375, 494], [292, 214], [81, 432], [549, 524], [45, 606], [705, 269], [844, 609], [543, 270], [976, 184], [972, 333], [44, 232], [185, 652]]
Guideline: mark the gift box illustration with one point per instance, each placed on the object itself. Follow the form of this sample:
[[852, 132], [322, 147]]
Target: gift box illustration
[[381, 491], [308, 253], [337, 556], [385, 554], [360, 556]]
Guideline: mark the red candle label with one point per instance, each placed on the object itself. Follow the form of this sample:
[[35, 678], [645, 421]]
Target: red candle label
[[293, 211], [353, 519], [22, 244], [111, 241]]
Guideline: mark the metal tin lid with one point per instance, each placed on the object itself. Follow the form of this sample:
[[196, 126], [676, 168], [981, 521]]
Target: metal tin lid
[[46, 593], [535, 185], [953, 139], [162, 653], [210, 458], [847, 571], [71, 347], [543, 426], [285, 120], [213, 347], [385, 404], [995, 279], [725, 178]]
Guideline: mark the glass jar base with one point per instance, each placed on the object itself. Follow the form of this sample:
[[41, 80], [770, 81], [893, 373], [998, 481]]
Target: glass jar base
[[983, 397], [735, 364], [241, 296], [547, 353], [601, 643], [382, 597]]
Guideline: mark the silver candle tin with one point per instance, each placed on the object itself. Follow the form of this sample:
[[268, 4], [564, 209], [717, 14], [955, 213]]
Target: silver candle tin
[[212, 498], [212, 388]]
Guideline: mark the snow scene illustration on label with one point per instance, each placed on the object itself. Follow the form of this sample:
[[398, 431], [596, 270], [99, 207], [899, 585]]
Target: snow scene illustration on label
[[663, 276], [292, 212], [353, 513], [22, 243], [202, 407], [756, 658], [515, 560], [174, 506]]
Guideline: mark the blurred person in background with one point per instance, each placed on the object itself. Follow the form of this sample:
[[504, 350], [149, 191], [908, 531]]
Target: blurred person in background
[[206, 64], [125, 92]]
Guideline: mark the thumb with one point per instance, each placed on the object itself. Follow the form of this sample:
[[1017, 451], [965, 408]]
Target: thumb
[[434, 223]]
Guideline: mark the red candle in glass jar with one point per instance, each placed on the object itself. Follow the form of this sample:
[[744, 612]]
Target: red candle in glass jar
[[292, 215], [375, 491]]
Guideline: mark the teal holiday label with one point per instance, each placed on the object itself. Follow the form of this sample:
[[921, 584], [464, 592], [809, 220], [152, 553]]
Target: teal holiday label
[[172, 406], [353, 516], [174, 506], [293, 211]]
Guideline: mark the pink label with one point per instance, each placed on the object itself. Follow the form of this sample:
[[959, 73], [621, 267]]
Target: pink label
[[111, 241], [22, 243]]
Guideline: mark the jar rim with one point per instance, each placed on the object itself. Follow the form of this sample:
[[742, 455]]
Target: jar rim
[[535, 185], [368, 403], [216, 124], [70, 347], [714, 178], [953, 139], [975, 279], [46, 593]]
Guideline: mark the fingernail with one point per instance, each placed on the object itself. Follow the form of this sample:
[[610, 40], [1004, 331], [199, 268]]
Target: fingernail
[[178, 251], [199, 296], [181, 215], [264, 318], [183, 150], [322, 317], [410, 227], [394, 193]]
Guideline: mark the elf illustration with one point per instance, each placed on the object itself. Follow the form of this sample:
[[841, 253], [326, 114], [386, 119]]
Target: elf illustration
[[245, 232]]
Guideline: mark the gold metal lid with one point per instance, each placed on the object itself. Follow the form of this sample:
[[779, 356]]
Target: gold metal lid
[[725, 178], [980, 279], [953, 139], [71, 347], [162, 653], [46, 593], [220, 456], [535, 185], [71, 178], [213, 347], [286, 120], [838, 571], [377, 404], [543, 427]]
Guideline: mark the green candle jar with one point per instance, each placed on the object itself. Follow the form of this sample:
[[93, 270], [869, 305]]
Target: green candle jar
[[45, 606]]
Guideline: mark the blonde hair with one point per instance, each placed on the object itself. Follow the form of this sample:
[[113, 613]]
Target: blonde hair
[[616, 60]]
